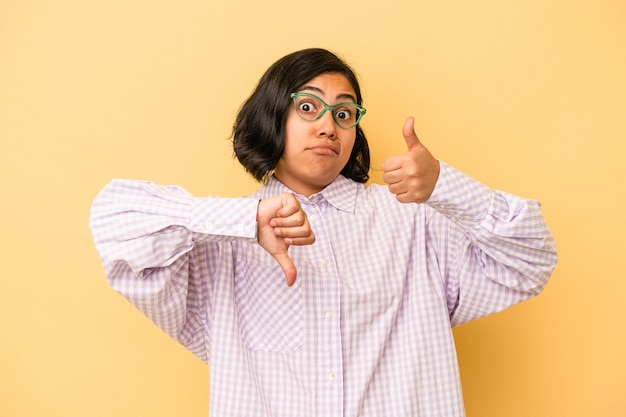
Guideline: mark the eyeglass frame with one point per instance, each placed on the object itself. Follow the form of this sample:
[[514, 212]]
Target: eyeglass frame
[[361, 110]]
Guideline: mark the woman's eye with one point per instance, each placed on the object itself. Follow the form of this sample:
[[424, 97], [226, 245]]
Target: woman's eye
[[307, 107], [343, 114]]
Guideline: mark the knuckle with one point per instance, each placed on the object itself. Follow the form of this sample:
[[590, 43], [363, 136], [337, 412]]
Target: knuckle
[[411, 170]]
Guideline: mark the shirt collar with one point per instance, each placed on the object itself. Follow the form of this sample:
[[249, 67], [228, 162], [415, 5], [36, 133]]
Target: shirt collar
[[341, 193]]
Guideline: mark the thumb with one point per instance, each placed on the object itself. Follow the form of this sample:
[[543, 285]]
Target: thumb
[[288, 267], [408, 131]]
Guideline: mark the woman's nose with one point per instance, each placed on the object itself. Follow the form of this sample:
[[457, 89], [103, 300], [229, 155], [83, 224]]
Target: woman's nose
[[327, 126]]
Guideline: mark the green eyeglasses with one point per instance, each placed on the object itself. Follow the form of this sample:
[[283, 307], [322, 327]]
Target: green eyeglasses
[[310, 107]]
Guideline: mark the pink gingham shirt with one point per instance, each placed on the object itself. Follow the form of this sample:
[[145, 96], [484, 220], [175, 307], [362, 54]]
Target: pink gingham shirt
[[367, 328]]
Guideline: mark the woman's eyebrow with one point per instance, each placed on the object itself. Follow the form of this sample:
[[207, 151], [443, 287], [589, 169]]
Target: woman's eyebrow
[[342, 96]]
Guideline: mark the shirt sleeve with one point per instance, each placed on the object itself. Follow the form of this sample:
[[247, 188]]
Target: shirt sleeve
[[147, 237], [500, 252]]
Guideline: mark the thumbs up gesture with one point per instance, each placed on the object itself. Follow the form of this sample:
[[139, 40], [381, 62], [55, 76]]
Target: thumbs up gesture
[[411, 176]]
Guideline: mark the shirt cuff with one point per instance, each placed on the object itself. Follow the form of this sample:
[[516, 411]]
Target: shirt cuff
[[227, 217], [459, 197]]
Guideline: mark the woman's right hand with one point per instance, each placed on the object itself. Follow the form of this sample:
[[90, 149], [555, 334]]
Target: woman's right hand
[[281, 222]]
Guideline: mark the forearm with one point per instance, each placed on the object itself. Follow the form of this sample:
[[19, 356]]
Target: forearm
[[149, 226], [508, 228]]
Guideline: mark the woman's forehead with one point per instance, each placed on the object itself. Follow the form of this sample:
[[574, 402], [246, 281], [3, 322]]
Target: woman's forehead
[[331, 85]]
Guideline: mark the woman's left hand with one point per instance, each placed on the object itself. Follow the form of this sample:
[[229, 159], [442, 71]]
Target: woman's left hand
[[411, 176]]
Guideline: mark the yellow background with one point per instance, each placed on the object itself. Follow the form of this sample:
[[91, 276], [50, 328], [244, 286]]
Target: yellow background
[[526, 96]]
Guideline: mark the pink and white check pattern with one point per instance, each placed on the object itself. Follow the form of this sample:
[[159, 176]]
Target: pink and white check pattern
[[366, 329]]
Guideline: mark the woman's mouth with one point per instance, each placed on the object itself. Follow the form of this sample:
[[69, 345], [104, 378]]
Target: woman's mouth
[[325, 149]]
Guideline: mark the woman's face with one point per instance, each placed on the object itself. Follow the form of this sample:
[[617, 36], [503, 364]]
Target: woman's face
[[316, 151]]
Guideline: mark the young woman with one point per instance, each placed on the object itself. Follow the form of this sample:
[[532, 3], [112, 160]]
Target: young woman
[[319, 295]]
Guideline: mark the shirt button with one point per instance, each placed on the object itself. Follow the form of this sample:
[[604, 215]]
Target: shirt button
[[208, 225], [239, 227], [331, 376], [324, 263], [330, 315], [312, 218]]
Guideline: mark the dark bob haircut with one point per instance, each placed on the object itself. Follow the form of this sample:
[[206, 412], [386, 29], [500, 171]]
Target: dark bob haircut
[[259, 130]]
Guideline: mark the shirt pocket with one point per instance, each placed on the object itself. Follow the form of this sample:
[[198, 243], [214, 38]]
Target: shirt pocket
[[270, 312]]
